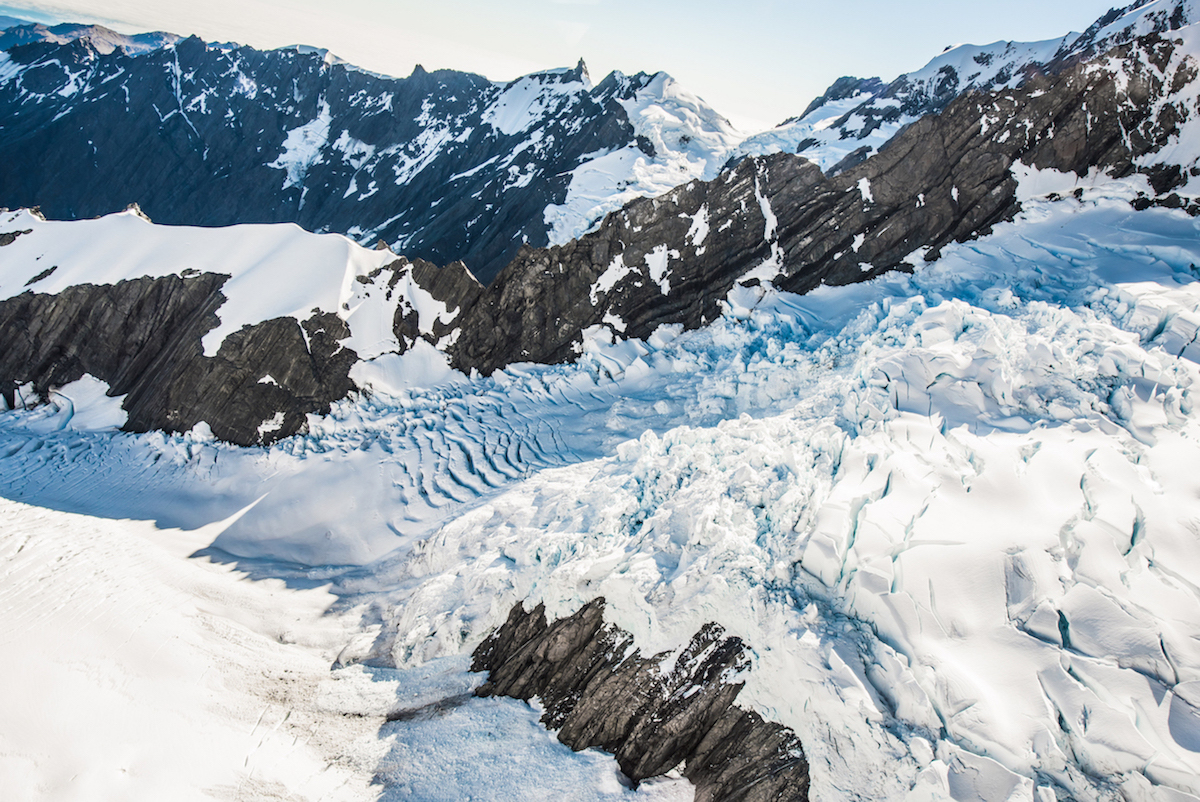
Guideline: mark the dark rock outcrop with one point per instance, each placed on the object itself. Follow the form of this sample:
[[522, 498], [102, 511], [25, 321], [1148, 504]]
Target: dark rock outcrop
[[143, 337], [653, 713]]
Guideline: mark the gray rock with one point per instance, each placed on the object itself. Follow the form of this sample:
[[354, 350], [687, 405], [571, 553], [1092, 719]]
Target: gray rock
[[143, 337], [653, 714]]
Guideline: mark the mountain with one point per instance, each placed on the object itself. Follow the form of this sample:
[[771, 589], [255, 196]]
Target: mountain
[[856, 117], [948, 177], [670, 260], [104, 40], [443, 166]]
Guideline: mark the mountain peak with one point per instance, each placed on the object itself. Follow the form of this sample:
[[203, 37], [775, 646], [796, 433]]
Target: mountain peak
[[103, 40]]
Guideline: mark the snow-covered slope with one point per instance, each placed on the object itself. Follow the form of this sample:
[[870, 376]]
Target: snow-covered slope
[[183, 679], [243, 329], [442, 166], [274, 271], [950, 513], [679, 138], [855, 118]]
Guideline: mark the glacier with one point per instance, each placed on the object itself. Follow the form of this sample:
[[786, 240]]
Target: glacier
[[953, 514]]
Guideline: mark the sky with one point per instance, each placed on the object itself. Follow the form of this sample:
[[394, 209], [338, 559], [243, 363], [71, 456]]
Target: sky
[[757, 63]]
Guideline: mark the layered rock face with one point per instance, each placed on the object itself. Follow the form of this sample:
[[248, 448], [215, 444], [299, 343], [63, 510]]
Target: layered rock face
[[143, 337], [653, 713]]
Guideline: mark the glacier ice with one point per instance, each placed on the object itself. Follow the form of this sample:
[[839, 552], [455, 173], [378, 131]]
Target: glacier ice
[[952, 513]]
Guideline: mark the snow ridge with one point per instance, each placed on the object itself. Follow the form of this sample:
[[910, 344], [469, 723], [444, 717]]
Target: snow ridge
[[443, 166], [679, 138]]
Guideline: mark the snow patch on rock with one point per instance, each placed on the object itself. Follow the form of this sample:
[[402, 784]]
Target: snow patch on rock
[[302, 147]]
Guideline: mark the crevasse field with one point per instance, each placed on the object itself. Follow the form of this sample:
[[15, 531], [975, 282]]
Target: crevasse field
[[955, 515]]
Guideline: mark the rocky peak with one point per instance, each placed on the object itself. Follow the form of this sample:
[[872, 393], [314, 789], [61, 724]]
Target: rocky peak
[[584, 76], [653, 712], [852, 120]]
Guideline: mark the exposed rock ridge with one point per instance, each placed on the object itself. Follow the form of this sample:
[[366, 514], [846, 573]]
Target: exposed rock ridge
[[653, 713], [856, 117], [143, 337], [946, 178]]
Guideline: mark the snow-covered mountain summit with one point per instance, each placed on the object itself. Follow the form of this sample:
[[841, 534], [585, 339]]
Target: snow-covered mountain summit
[[104, 40], [857, 117]]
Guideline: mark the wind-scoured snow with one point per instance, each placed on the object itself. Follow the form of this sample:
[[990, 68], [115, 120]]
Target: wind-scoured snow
[[953, 514], [526, 101], [302, 148]]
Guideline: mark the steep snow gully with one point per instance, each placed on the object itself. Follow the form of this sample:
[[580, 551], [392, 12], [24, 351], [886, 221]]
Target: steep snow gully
[[932, 535]]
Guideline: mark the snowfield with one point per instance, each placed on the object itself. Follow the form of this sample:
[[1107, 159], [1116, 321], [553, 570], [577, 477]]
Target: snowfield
[[955, 515], [138, 674], [688, 138]]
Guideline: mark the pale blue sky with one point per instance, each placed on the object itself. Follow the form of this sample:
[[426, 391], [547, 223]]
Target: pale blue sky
[[757, 62]]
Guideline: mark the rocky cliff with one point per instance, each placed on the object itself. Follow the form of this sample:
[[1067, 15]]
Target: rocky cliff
[[143, 337], [654, 713]]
